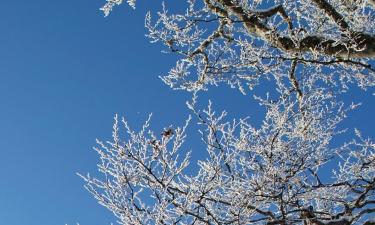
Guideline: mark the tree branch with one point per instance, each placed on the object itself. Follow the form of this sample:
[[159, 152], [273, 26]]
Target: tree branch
[[361, 45]]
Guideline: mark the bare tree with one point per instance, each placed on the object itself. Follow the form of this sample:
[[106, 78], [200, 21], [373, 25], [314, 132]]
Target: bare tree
[[311, 51]]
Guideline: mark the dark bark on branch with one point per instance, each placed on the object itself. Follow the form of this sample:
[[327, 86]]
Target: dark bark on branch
[[332, 13], [358, 46]]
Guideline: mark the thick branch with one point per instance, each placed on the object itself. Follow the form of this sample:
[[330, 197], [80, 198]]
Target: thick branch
[[332, 13], [361, 45], [294, 81]]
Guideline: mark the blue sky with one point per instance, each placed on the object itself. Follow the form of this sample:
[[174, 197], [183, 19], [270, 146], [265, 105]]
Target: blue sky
[[65, 70]]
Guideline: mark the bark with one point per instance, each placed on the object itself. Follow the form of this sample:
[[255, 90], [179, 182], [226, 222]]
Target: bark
[[358, 45]]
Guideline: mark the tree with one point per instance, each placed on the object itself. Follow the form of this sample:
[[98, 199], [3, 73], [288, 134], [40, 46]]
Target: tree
[[312, 52]]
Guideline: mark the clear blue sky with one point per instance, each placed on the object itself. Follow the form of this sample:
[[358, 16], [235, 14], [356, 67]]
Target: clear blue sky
[[64, 71]]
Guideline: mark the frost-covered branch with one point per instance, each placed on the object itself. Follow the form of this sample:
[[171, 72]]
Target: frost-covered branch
[[293, 167], [238, 52]]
